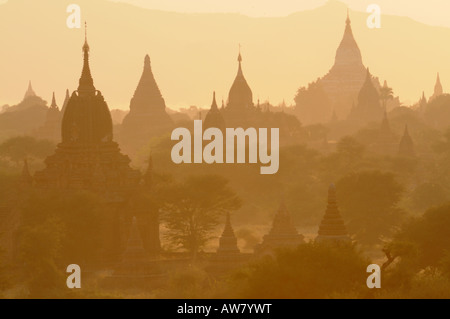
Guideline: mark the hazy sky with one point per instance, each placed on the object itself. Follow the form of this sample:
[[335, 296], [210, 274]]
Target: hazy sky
[[433, 12]]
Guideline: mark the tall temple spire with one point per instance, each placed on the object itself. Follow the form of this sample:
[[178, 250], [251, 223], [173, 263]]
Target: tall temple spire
[[66, 100], [438, 87], [240, 95], [86, 83], [53, 105], [214, 116], [406, 146], [332, 228], [214, 104], [348, 53], [30, 91]]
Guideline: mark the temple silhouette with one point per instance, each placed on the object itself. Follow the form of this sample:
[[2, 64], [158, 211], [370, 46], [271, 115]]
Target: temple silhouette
[[147, 117], [342, 85]]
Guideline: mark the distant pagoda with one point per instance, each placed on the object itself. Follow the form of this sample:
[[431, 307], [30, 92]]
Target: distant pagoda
[[51, 129], [342, 84], [332, 228], [438, 91], [240, 95], [214, 117], [228, 241], [147, 117], [368, 107], [282, 234], [87, 157], [406, 146]]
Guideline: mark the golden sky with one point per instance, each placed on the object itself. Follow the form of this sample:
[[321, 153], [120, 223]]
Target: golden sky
[[193, 55], [433, 12]]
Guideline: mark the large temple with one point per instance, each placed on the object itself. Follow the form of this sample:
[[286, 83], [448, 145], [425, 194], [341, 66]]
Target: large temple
[[88, 158], [147, 117], [340, 87]]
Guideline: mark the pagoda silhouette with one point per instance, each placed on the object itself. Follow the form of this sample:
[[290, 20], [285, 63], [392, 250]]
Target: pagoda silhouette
[[147, 117], [89, 159]]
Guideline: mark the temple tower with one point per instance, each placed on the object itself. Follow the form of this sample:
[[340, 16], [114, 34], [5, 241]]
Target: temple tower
[[30, 92], [88, 159], [52, 126], [406, 146], [214, 117], [437, 88], [228, 241], [332, 228], [147, 117], [368, 107], [240, 95], [282, 234]]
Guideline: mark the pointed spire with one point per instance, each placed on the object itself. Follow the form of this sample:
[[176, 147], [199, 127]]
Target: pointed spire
[[66, 100], [240, 95], [228, 240], [147, 62], [53, 105], [438, 87], [239, 61], [283, 231], [30, 91], [86, 83], [332, 227], [214, 104], [348, 54]]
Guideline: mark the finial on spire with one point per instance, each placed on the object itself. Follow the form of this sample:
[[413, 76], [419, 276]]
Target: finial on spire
[[86, 83], [53, 100], [147, 61], [214, 104], [239, 56], [86, 45], [347, 21], [29, 91]]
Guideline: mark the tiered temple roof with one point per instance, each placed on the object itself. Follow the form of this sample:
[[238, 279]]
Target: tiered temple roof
[[228, 241], [87, 157], [283, 232], [332, 227]]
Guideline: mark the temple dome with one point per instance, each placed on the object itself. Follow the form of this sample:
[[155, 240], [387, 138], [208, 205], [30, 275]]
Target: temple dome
[[86, 118], [240, 95]]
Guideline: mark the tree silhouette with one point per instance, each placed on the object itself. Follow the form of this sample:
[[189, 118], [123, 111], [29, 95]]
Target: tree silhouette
[[192, 209]]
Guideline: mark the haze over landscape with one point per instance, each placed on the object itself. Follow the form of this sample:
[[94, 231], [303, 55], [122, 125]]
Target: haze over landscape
[[189, 60]]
